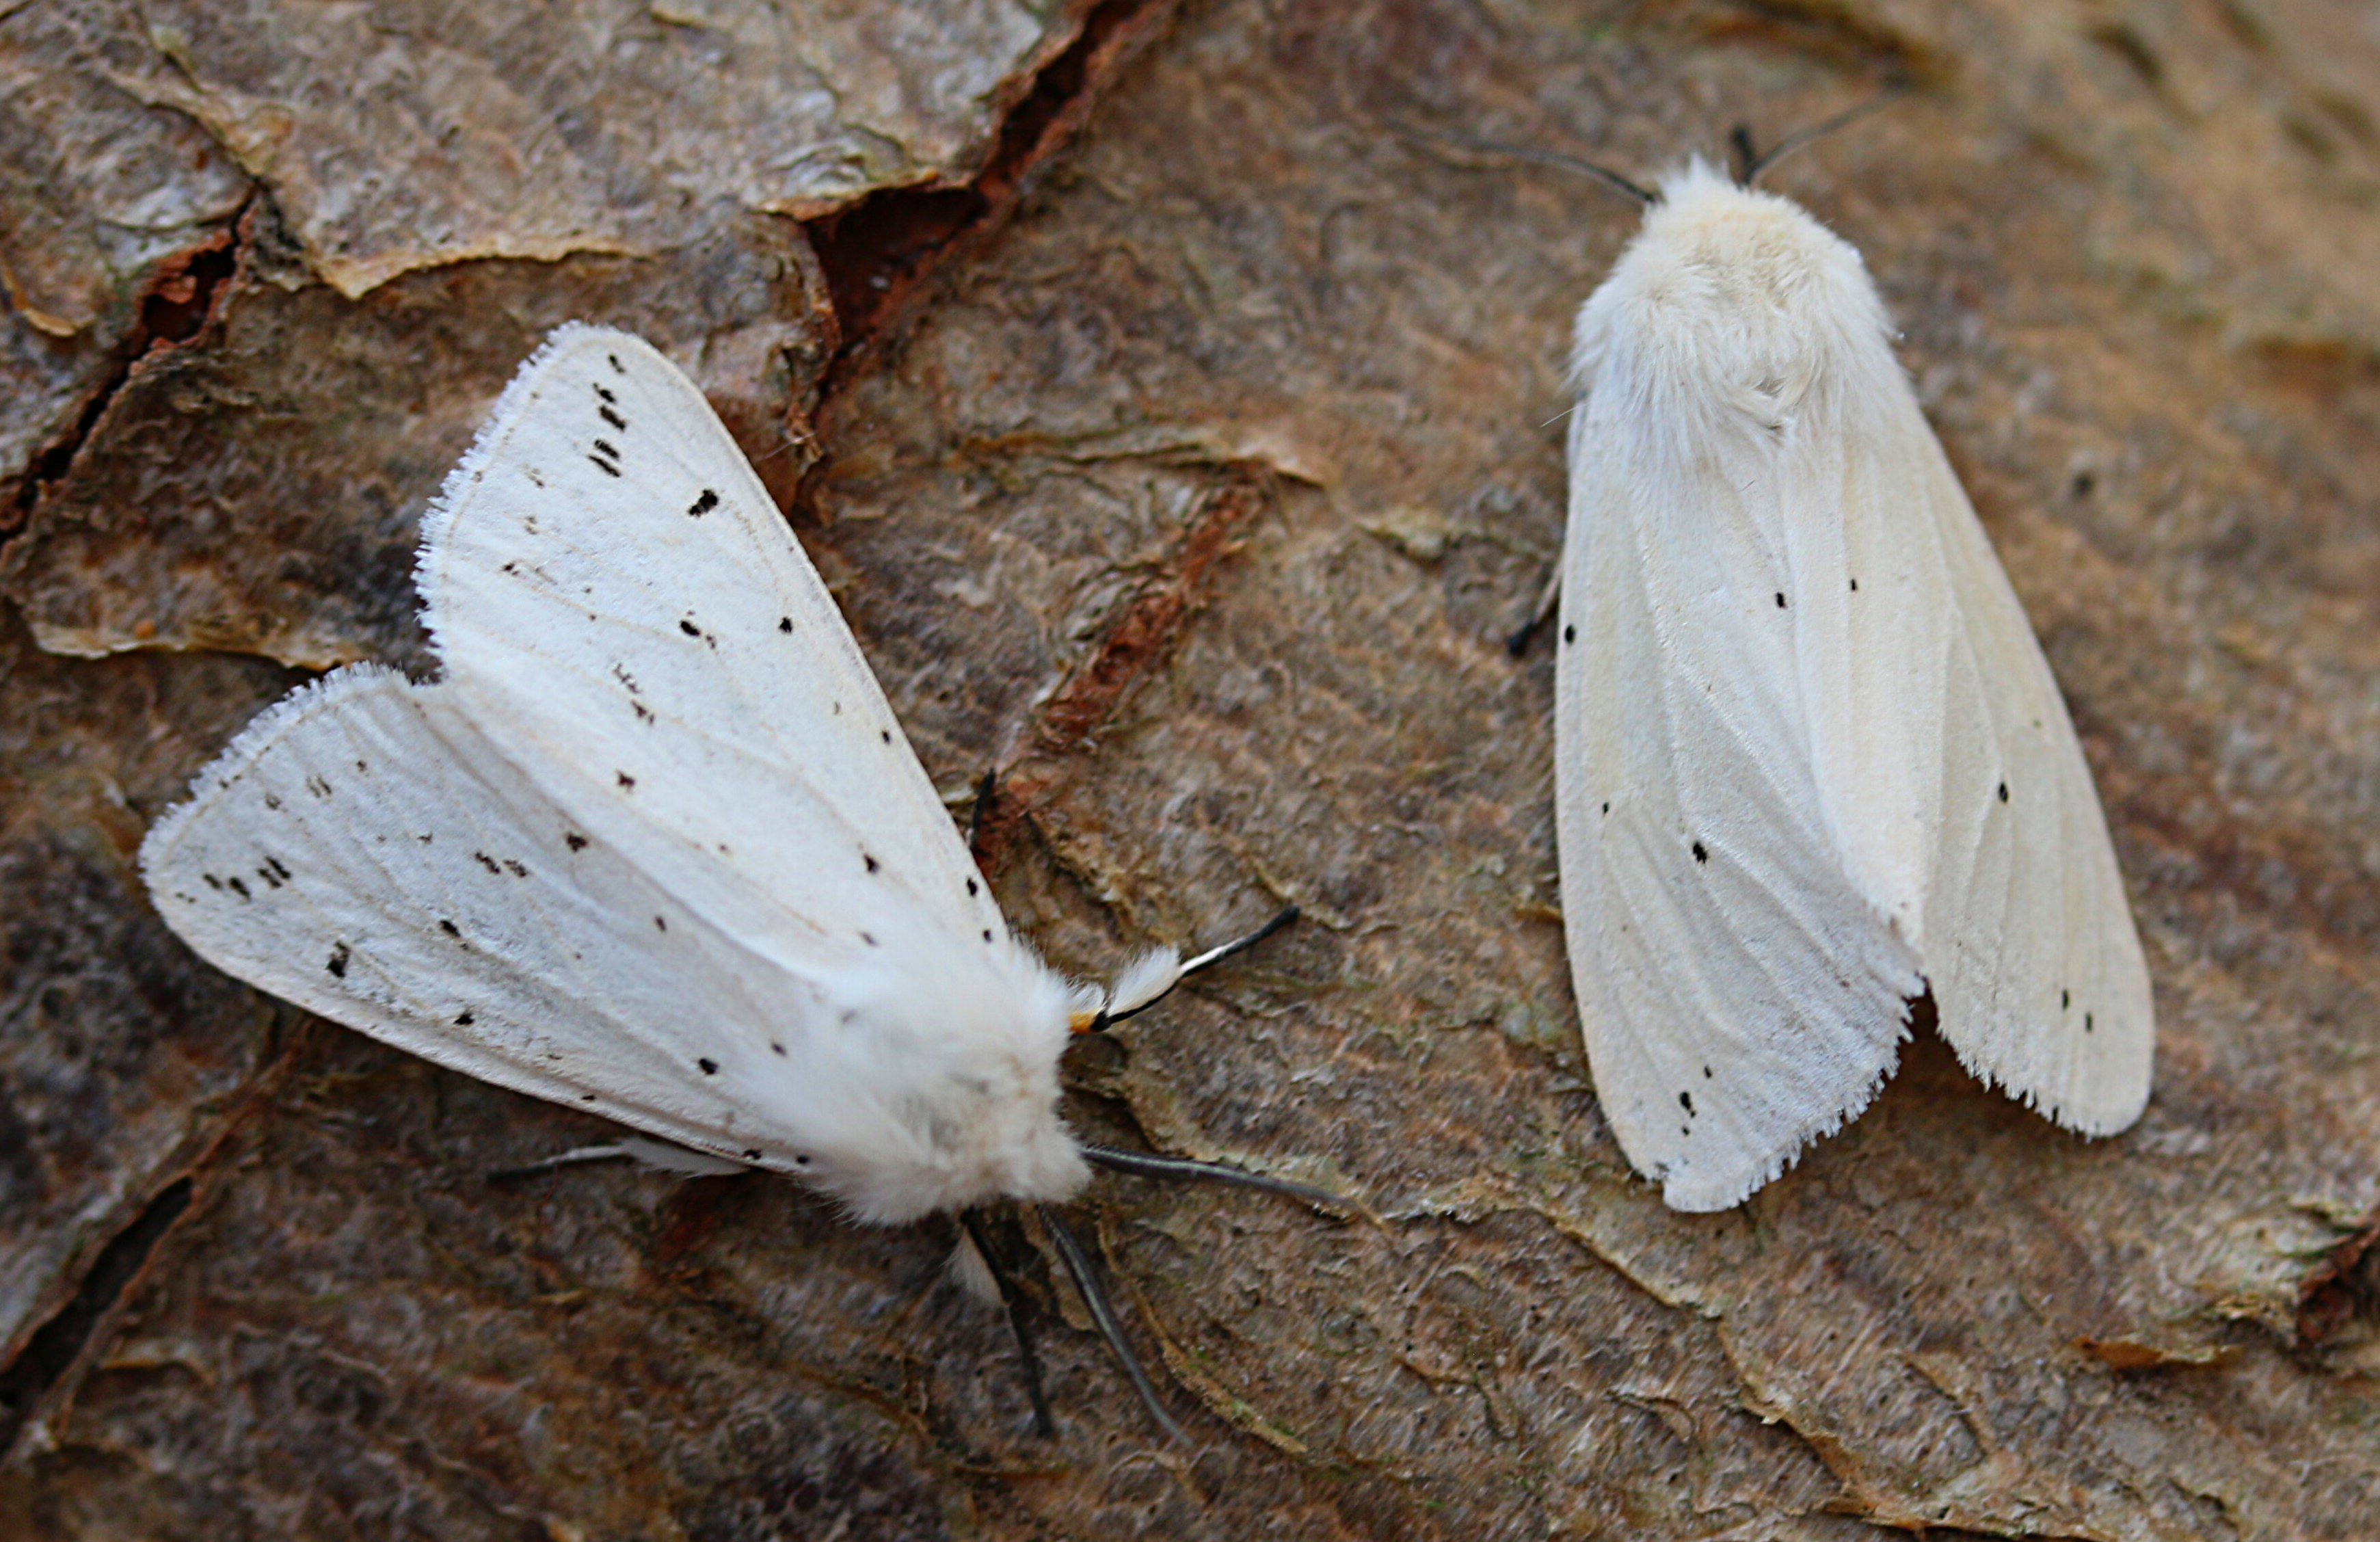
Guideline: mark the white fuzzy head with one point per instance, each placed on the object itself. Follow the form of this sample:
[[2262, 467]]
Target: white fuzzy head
[[937, 1086], [1730, 285]]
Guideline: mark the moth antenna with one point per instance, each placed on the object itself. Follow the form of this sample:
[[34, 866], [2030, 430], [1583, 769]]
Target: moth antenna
[[1753, 166], [1095, 1297], [1149, 1164], [971, 1220], [1206, 960], [1603, 175]]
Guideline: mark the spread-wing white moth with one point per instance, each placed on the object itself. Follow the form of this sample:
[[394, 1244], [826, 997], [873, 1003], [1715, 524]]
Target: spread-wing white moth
[[654, 845], [1812, 765]]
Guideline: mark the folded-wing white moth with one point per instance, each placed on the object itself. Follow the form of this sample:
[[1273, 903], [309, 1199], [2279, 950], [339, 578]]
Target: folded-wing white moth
[[1812, 763], [654, 846]]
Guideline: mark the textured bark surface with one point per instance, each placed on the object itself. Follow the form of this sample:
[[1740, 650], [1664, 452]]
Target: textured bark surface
[[1173, 415]]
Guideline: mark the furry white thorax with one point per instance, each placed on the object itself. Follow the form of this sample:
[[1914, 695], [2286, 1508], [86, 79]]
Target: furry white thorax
[[1729, 285], [938, 1088]]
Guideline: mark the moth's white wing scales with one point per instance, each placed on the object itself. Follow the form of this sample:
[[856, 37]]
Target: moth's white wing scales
[[363, 851], [682, 866], [664, 666], [1792, 682]]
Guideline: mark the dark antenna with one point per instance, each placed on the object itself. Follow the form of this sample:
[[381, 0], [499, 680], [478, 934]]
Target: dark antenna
[[1095, 1297], [1011, 1297], [1603, 175], [1206, 960], [1749, 165]]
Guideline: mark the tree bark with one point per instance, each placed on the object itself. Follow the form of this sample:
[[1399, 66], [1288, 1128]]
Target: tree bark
[[1172, 408]]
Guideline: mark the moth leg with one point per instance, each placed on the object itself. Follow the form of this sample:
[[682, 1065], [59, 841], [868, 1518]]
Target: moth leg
[[1517, 643], [1095, 1297], [1149, 1164], [641, 1149], [978, 1237], [985, 791]]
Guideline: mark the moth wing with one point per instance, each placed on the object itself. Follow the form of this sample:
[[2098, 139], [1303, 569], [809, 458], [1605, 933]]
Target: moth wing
[[1740, 995], [2029, 943], [621, 608], [364, 851]]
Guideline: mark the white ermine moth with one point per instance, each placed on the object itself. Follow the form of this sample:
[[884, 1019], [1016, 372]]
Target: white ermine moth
[[654, 845], [1811, 766]]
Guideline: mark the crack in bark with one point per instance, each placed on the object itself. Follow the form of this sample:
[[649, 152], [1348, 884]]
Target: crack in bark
[[177, 302], [877, 251], [58, 1344], [1143, 634]]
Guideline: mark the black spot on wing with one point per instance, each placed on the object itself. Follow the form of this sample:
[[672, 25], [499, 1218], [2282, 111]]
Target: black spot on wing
[[273, 800], [611, 418], [449, 927], [1686, 1102], [1570, 633], [484, 860], [1702, 852], [689, 628], [338, 961], [604, 390], [574, 841], [627, 782], [703, 504], [974, 888], [317, 786], [784, 624], [778, 1048], [237, 887], [463, 1019], [1780, 600], [617, 368], [2003, 792], [870, 860], [605, 466], [710, 1067], [660, 925]]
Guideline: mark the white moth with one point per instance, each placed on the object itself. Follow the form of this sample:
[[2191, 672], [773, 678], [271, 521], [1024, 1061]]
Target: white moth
[[1812, 764], [654, 845]]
